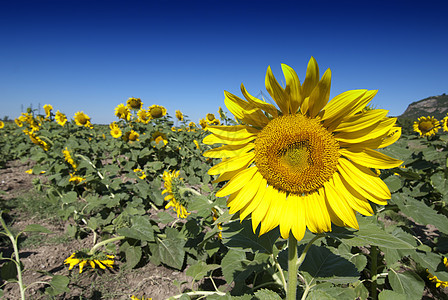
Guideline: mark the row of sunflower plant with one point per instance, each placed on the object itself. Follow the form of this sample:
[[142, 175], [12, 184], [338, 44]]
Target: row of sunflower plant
[[314, 198]]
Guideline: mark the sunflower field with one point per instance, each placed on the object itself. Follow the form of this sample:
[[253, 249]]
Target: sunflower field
[[311, 198]]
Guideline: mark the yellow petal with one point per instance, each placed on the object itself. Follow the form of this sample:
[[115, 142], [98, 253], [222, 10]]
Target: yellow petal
[[260, 211], [320, 95], [237, 182], [339, 205], [267, 107], [311, 78], [237, 132], [299, 226], [229, 150], [392, 136], [246, 194], [288, 215], [273, 214], [317, 217], [249, 208], [354, 199], [364, 178], [361, 121], [277, 92], [215, 139], [244, 111], [369, 133], [232, 164], [293, 88], [371, 158], [341, 106]]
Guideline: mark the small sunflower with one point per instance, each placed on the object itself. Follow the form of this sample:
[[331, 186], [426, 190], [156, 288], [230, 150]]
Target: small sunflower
[[172, 184], [426, 126], [159, 137], [60, 118], [82, 257], [131, 136], [76, 179], [37, 140], [179, 115], [2, 124], [203, 123], [192, 126], [140, 174], [48, 108], [68, 158], [445, 123], [116, 132], [18, 122], [122, 112], [144, 116], [134, 103], [308, 163], [197, 144], [219, 225], [157, 111], [143, 298], [81, 119], [210, 119]]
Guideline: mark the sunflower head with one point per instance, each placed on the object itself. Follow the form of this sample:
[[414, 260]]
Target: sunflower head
[[60, 118], [68, 158], [210, 119], [144, 116], [140, 173], [81, 119], [2, 124], [306, 163], [445, 123], [48, 108], [179, 115], [83, 257], [174, 193], [116, 132], [159, 137], [426, 126], [76, 179], [131, 136], [134, 103], [122, 112], [157, 111]]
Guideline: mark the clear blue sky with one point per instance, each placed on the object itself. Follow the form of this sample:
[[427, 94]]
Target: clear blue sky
[[93, 55]]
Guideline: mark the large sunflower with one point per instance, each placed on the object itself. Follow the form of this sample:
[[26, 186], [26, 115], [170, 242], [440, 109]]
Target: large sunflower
[[426, 126], [306, 164]]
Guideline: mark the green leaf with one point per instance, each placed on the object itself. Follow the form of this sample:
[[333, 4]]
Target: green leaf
[[394, 183], [408, 283], [323, 264], [37, 228], [58, 285], [240, 236], [133, 256], [199, 270], [329, 291], [171, 249], [265, 294], [388, 295], [9, 271], [141, 229], [69, 197]]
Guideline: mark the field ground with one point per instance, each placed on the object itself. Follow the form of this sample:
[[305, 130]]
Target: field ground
[[42, 253]]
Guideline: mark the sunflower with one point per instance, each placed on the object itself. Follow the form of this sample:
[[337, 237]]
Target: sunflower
[[144, 116], [172, 184], [48, 108], [210, 119], [159, 137], [426, 126], [134, 103], [191, 127], [76, 179], [203, 123], [2, 124], [115, 132], [131, 136], [157, 111], [445, 123], [82, 257], [37, 140], [307, 164], [60, 118], [18, 122], [123, 112], [143, 298], [179, 115], [68, 158], [81, 119], [140, 174]]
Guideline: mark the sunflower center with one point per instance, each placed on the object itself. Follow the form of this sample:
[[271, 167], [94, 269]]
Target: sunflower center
[[156, 112], [425, 126], [296, 154]]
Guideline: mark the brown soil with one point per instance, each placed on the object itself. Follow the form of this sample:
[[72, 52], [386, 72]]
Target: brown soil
[[50, 253]]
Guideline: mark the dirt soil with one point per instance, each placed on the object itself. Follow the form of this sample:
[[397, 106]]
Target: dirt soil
[[119, 283]]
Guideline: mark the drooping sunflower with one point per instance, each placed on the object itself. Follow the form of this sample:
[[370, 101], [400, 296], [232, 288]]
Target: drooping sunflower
[[159, 137], [157, 111], [134, 103], [37, 140], [144, 116], [122, 112], [179, 115], [143, 298], [306, 164], [82, 257], [68, 158], [172, 183], [60, 118], [131, 136], [48, 108], [81, 119], [76, 179], [426, 126]]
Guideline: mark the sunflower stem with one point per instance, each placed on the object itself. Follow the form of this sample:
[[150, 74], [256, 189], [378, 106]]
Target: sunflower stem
[[373, 270], [292, 268], [102, 243]]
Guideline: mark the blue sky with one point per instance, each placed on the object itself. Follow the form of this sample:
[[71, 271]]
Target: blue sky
[[93, 55]]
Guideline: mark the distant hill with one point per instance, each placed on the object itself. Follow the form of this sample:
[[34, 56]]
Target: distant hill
[[434, 106]]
